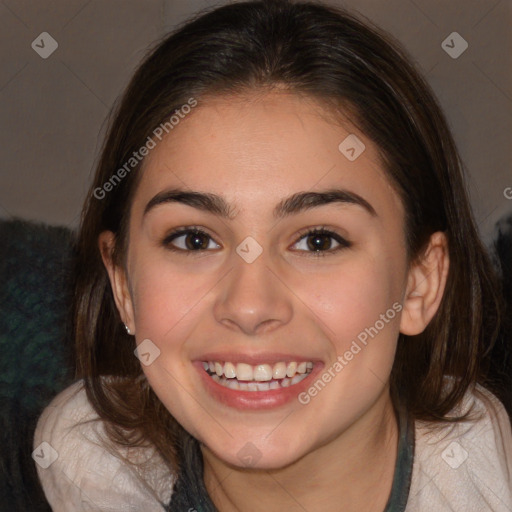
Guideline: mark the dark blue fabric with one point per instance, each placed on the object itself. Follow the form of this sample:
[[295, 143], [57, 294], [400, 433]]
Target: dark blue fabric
[[36, 361]]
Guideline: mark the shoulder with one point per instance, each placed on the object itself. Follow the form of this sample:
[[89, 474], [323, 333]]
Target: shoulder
[[465, 466], [78, 471]]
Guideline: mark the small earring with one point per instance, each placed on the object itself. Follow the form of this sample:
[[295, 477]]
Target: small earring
[[127, 329]]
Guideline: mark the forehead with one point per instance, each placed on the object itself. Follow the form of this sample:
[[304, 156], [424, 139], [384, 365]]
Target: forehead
[[257, 148]]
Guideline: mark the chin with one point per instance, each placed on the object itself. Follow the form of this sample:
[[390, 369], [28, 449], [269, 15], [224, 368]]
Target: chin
[[258, 456]]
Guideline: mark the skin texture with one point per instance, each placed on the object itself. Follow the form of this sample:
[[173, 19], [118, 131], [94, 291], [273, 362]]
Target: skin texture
[[337, 452]]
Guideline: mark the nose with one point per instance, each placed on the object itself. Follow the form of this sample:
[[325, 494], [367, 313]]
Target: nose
[[253, 299]]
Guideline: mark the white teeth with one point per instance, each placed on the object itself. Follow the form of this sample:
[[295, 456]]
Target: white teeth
[[233, 384], [244, 371], [298, 378], [279, 371], [263, 372], [291, 369], [260, 372], [229, 370], [244, 376], [258, 386]]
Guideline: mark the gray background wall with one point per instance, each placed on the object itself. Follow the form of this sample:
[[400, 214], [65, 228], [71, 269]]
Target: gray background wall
[[53, 110]]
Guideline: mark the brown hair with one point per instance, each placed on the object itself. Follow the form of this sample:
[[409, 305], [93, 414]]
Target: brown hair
[[330, 55]]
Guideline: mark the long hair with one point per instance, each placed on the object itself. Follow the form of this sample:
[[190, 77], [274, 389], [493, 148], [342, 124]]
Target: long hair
[[350, 66]]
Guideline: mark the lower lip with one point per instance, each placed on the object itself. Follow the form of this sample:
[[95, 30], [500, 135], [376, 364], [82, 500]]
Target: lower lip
[[255, 399]]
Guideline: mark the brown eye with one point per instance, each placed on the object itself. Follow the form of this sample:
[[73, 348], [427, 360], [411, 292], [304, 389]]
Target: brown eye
[[189, 240], [320, 241]]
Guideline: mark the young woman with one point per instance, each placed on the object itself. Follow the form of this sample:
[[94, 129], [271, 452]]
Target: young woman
[[281, 299]]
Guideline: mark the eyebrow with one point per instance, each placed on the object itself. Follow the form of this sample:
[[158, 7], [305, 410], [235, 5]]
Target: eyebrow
[[296, 203]]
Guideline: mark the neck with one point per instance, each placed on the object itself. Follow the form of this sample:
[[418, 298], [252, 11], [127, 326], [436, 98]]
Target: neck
[[352, 472]]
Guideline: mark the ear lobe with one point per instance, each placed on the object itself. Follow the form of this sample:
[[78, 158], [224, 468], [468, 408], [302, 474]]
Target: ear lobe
[[426, 283], [118, 279]]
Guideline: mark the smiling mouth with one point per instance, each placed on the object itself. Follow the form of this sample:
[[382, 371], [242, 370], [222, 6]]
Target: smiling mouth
[[261, 377]]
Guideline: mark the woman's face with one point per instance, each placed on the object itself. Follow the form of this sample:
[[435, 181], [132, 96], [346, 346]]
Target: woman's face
[[301, 328]]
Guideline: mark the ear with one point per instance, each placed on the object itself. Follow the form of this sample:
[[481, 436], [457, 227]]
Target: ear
[[118, 279], [426, 282]]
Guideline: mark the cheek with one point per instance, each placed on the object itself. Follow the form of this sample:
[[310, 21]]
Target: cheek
[[166, 301], [167, 304], [359, 311], [350, 303]]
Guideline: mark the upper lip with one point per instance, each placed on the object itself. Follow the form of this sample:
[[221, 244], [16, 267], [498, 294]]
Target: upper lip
[[255, 358]]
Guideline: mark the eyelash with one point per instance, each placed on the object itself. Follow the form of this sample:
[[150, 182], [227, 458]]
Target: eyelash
[[343, 244]]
